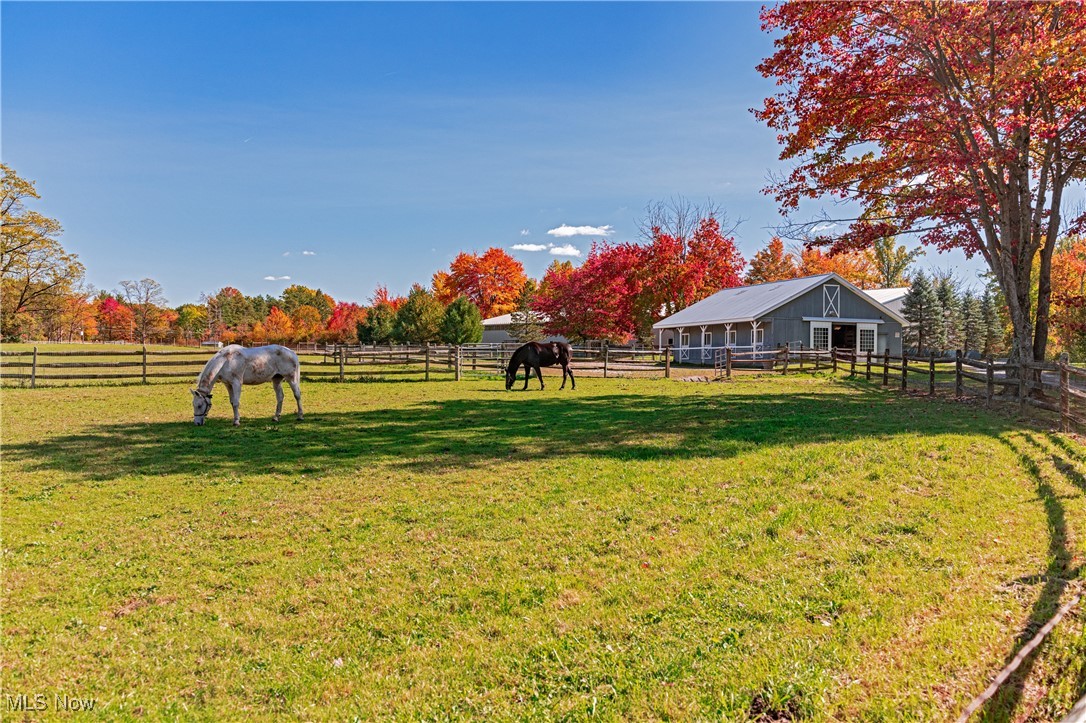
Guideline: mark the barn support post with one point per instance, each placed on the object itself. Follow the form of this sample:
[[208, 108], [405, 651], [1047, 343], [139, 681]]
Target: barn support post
[[904, 370], [426, 364], [885, 367], [1065, 393], [931, 374], [667, 362], [959, 390], [989, 374], [144, 365], [34, 369]]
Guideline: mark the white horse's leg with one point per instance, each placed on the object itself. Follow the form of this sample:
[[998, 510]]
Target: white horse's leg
[[278, 384], [235, 400], [297, 395]]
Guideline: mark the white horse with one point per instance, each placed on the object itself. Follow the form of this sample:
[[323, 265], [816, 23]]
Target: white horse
[[235, 365]]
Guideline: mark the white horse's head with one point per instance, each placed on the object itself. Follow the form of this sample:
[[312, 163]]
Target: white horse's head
[[201, 405]]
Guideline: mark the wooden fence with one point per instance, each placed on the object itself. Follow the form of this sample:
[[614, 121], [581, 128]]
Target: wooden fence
[[1057, 387], [338, 363]]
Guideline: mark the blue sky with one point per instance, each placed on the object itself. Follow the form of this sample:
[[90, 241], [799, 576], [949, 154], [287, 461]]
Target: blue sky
[[345, 145]]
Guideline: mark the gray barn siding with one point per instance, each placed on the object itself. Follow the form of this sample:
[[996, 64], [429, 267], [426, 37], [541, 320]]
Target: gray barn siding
[[785, 324], [789, 325]]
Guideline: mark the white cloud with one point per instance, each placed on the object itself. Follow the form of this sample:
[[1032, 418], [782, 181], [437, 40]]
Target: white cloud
[[525, 232], [530, 247], [823, 227], [567, 250], [565, 231], [277, 278], [309, 253], [286, 253]]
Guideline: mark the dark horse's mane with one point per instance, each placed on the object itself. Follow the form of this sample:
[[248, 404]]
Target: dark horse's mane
[[534, 355]]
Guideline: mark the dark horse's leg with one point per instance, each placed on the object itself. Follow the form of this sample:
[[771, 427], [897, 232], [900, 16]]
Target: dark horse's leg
[[539, 373], [566, 370], [527, 375]]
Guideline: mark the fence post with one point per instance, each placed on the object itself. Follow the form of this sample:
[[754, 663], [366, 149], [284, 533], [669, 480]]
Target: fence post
[[1022, 388], [784, 369], [144, 363], [667, 362], [852, 365], [342, 360], [904, 370], [606, 353], [34, 369], [728, 362], [458, 362], [1065, 393], [931, 373], [867, 373], [959, 390], [833, 355], [427, 364], [885, 367], [989, 374]]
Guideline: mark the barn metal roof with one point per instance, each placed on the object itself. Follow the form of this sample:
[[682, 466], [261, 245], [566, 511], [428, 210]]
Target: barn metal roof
[[748, 303]]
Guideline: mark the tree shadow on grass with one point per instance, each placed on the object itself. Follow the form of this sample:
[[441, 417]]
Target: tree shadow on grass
[[478, 432], [1004, 704]]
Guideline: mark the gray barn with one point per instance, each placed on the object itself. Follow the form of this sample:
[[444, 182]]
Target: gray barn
[[814, 312]]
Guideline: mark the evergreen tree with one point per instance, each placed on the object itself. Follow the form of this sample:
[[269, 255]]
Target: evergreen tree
[[922, 310], [526, 325], [419, 319], [378, 325], [974, 326], [946, 289], [462, 323], [993, 325]]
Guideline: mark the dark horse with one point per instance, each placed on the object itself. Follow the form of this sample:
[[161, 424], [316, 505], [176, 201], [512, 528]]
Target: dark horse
[[534, 355]]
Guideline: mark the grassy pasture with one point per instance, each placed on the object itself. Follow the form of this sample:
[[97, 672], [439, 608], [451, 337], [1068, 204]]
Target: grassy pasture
[[768, 548]]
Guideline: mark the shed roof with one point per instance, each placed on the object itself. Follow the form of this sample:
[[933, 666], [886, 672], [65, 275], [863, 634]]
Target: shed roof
[[748, 303]]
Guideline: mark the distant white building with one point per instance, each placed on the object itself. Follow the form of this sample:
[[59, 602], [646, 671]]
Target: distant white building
[[892, 299], [496, 329]]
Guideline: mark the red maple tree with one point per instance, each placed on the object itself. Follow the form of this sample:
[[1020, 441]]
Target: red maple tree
[[961, 123]]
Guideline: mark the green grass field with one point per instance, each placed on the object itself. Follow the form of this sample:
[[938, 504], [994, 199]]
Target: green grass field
[[764, 549]]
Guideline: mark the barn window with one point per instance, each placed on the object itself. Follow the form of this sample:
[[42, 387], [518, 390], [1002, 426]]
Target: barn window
[[820, 336], [866, 340], [729, 337], [759, 337], [684, 339], [706, 338]]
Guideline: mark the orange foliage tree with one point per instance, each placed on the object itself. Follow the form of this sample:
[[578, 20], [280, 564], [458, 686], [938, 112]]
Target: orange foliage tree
[[772, 263], [855, 267], [492, 280], [278, 326]]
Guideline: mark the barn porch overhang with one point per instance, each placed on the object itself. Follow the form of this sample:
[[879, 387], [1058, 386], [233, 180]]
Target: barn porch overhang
[[839, 320]]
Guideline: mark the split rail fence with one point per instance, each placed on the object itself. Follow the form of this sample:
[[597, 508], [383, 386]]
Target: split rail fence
[[1056, 387], [340, 363]]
